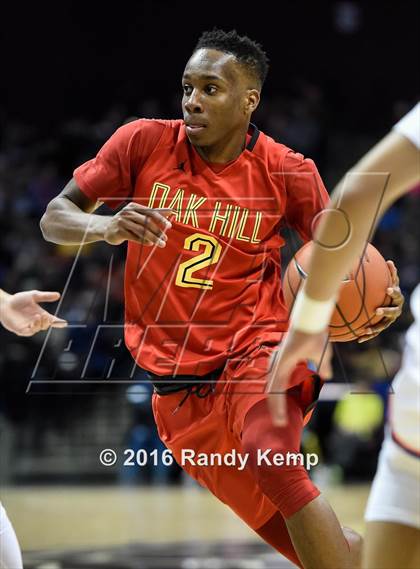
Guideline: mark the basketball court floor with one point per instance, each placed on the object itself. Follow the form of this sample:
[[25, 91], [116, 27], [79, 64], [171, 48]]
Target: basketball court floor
[[113, 527]]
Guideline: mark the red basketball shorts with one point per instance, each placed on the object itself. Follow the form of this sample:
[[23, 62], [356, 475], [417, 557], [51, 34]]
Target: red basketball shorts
[[213, 425]]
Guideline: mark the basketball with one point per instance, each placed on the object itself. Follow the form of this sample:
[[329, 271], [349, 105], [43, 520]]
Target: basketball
[[362, 291]]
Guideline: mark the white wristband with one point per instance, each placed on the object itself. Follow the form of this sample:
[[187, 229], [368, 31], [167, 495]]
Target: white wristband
[[309, 315]]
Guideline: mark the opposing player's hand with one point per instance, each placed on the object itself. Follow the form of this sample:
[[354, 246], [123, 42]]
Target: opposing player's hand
[[21, 313], [296, 347], [140, 224], [389, 313]]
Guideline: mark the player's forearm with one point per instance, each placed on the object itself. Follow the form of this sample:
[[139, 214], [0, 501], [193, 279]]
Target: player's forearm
[[64, 223], [342, 236], [374, 184]]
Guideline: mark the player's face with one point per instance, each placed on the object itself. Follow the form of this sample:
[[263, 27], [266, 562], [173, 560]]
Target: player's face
[[218, 99]]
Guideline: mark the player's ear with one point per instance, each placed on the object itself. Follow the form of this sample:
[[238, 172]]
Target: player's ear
[[252, 100]]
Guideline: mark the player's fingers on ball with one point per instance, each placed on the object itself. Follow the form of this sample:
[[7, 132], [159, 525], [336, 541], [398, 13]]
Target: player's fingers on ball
[[367, 335], [393, 312], [374, 331], [389, 312], [395, 293], [393, 271], [388, 323], [378, 328], [377, 331]]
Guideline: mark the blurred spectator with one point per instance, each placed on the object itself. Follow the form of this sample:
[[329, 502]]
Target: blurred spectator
[[143, 436], [357, 433]]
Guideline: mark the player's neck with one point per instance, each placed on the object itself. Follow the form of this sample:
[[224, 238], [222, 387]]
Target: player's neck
[[225, 150]]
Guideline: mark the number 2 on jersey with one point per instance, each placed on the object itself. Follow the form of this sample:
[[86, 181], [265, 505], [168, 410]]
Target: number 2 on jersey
[[210, 255]]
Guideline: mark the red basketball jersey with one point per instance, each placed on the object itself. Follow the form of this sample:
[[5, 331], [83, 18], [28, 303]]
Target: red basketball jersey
[[214, 292]]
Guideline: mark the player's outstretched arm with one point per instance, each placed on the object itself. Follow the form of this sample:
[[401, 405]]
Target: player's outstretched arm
[[359, 201], [384, 174], [21, 313], [69, 220]]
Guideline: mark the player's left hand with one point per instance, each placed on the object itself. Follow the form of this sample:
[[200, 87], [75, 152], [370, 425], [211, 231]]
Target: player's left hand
[[21, 313], [296, 347], [390, 313]]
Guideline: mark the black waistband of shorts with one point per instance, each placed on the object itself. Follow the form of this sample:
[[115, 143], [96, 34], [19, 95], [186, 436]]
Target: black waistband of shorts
[[167, 384]]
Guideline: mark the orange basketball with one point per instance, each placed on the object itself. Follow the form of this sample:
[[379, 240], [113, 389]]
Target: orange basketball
[[361, 293]]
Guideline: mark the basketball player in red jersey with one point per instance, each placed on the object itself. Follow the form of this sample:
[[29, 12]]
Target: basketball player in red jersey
[[204, 306]]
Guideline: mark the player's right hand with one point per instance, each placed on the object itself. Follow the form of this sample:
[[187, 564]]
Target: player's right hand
[[140, 224], [296, 347]]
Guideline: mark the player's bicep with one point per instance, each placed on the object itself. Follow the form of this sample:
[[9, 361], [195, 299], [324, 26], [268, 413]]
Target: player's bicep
[[74, 194], [396, 156]]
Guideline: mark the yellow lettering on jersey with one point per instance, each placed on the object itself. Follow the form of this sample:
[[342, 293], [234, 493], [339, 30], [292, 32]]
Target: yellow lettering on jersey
[[191, 208], [218, 217], [240, 236], [164, 196], [156, 187], [234, 222], [176, 203], [257, 224], [211, 255]]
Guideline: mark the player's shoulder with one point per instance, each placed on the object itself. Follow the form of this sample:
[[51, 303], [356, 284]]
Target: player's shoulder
[[145, 134], [280, 156], [144, 126]]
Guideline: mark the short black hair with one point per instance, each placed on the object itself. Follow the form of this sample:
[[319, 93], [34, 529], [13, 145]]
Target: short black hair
[[248, 52]]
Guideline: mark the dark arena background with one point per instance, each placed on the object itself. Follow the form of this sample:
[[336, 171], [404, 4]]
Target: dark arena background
[[342, 73]]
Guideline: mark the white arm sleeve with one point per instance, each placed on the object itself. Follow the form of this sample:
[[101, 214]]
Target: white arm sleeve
[[10, 555], [409, 126]]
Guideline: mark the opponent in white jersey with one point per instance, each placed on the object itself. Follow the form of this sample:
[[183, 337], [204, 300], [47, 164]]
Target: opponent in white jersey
[[393, 511], [405, 403], [21, 314]]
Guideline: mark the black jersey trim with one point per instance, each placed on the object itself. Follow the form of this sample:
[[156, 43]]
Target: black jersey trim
[[254, 137]]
